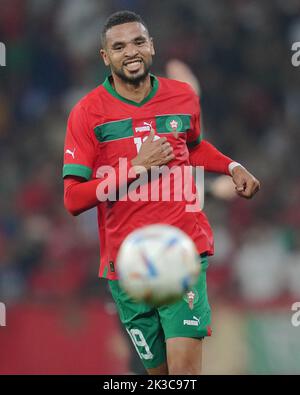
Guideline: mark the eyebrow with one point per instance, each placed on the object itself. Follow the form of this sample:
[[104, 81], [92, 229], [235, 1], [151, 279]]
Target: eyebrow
[[116, 43]]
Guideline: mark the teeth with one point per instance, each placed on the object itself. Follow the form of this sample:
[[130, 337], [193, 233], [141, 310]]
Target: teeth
[[133, 61], [133, 65]]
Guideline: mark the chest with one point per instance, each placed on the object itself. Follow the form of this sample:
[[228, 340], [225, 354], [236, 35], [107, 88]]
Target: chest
[[121, 134]]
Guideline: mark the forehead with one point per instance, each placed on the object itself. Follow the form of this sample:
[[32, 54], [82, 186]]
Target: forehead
[[125, 32]]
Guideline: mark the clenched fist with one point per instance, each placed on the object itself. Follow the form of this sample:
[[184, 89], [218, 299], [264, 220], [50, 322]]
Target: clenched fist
[[246, 184]]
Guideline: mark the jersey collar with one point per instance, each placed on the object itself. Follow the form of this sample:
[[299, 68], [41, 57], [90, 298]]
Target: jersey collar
[[107, 85]]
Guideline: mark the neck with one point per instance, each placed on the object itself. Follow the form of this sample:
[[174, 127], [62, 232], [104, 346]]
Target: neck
[[132, 92]]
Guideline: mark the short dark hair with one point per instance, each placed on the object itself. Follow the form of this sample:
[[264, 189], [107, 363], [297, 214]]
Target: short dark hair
[[118, 18]]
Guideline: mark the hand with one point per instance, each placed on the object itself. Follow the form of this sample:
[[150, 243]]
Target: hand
[[153, 153], [246, 184], [178, 70]]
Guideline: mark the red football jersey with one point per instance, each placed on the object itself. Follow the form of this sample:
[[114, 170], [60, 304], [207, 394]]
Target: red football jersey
[[104, 127]]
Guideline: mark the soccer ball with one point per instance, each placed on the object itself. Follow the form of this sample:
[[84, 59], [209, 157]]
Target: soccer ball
[[157, 264]]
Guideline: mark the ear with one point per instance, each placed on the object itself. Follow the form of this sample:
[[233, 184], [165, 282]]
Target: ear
[[152, 46], [105, 57]]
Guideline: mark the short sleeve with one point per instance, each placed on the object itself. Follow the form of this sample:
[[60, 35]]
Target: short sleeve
[[80, 147], [194, 135]]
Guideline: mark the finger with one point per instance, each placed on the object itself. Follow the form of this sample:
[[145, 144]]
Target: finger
[[256, 188], [169, 158], [160, 141], [168, 151], [151, 136], [240, 183], [244, 195], [166, 146], [249, 190], [240, 188]]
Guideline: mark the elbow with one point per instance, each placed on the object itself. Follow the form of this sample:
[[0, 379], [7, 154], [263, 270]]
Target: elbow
[[69, 206]]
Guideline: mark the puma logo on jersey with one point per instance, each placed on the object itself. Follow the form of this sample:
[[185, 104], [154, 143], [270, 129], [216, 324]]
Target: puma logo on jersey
[[72, 153], [194, 322], [142, 129], [146, 128]]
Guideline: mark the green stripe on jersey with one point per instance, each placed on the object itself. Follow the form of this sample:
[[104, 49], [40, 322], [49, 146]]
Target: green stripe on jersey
[[114, 130], [173, 123], [105, 272], [77, 170]]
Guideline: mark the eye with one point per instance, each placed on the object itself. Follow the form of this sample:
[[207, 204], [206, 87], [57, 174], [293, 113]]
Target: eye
[[118, 47], [140, 42]]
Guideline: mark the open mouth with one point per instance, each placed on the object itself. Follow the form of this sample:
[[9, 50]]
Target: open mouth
[[133, 65]]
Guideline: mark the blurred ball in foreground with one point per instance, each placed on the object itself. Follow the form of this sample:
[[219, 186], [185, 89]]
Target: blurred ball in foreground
[[157, 264], [222, 188]]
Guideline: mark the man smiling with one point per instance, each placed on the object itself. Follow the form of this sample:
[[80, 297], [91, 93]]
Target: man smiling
[[134, 68], [149, 121]]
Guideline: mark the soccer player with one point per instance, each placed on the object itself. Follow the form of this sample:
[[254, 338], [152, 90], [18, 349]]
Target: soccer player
[[148, 121]]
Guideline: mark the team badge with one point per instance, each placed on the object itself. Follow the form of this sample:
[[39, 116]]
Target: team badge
[[174, 124], [191, 297]]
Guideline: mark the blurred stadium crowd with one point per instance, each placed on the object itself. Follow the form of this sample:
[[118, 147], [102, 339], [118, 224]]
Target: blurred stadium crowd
[[241, 53]]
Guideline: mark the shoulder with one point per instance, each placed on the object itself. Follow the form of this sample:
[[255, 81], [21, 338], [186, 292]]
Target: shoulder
[[94, 97], [91, 100], [179, 94]]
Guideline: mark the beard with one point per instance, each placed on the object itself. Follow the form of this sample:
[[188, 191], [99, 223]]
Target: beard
[[134, 79]]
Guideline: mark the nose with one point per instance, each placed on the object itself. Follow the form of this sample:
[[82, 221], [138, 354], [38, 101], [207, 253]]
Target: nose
[[131, 50]]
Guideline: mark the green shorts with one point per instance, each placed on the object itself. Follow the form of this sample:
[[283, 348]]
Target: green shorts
[[149, 327]]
